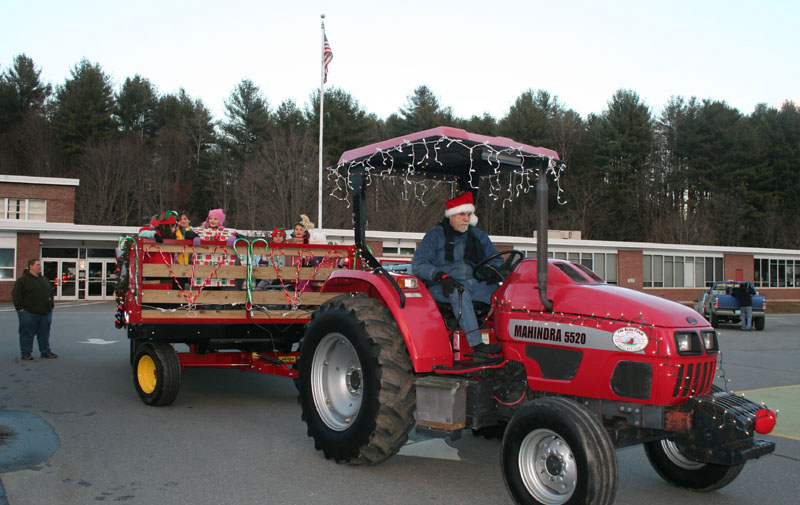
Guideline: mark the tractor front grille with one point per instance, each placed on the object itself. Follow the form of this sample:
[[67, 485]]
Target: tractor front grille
[[693, 379]]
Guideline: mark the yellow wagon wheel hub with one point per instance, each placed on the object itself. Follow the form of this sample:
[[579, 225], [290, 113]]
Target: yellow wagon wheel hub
[[146, 374]]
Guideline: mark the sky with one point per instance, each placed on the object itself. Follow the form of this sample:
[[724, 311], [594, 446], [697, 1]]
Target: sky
[[476, 56]]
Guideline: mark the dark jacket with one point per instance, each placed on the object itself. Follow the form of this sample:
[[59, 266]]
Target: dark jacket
[[744, 293], [32, 294], [429, 258]]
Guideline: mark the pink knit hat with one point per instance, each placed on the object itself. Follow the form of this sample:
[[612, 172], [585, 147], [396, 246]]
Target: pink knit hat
[[218, 213]]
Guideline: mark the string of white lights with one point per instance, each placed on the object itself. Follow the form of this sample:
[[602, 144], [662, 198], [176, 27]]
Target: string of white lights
[[424, 153]]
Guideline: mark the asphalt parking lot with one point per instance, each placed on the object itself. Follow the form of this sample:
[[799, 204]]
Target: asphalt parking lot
[[83, 436]]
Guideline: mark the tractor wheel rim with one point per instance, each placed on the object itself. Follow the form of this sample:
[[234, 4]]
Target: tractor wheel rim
[[146, 374], [674, 454], [336, 381], [547, 467]]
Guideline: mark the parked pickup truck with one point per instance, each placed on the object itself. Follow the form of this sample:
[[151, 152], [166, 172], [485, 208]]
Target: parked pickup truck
[[720, 304]]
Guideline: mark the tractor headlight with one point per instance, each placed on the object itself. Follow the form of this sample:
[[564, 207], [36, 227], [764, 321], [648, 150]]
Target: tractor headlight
[[688, 343], [710, 341]]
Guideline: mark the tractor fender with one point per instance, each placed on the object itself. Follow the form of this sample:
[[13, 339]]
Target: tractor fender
[[419, 321]]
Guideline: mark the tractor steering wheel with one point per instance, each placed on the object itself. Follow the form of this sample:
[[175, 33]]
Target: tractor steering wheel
[[515, 256]]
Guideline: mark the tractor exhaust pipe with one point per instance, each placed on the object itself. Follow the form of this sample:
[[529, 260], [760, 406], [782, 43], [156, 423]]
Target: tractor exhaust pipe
[[541, 236]]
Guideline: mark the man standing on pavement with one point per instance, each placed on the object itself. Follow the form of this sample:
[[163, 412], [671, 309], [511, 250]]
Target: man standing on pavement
[[745, 293], [445, 260], [33, 300]]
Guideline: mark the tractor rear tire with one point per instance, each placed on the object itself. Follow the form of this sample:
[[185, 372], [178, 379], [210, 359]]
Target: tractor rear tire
[[156, 373], [760, 322], [667, 459], [356, 381], [556, 452]]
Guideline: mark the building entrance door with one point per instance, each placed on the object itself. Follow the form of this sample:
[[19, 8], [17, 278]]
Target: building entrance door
[[50, 270], [95, 280], [68, 280]]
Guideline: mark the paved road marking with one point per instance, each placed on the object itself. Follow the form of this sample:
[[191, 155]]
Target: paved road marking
[[98, 341]]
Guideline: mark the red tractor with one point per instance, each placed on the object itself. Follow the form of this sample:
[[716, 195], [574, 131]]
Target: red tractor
[[586, 367]]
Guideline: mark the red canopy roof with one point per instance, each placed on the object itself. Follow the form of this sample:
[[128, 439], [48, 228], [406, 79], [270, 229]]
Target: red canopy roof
[[449, 132]]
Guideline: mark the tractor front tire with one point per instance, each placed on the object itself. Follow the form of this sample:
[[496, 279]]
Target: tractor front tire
[[556, 452], [667, 459], [356, 381], [156, 373]]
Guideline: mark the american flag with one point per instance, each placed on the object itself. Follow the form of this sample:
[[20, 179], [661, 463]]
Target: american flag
[[327, 56]]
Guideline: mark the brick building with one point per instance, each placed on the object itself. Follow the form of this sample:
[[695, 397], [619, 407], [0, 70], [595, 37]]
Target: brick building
[[37, 216], [37, 220]]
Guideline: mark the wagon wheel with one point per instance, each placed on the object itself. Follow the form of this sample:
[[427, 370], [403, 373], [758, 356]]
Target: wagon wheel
[[156, 373]]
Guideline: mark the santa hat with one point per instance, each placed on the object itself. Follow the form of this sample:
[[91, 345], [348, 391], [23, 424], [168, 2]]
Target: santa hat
[[218, 213], [459, 204]]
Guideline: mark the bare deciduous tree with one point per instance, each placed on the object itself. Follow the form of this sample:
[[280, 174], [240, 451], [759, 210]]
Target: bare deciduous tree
[[106, 171]]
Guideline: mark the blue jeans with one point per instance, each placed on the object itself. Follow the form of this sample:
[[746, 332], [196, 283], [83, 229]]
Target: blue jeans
[[747, 317], [34, 324], [461, 302]]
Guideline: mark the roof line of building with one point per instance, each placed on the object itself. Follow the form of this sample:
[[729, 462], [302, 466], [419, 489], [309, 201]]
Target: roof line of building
[[48, 181], [101, 232]]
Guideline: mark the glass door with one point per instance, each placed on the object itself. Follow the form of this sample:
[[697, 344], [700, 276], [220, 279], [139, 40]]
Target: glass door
[[50, 270], [110, 279], [69, 280], [95, 280]]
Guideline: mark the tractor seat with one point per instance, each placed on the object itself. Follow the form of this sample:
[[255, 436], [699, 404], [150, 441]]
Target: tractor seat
[[481, 311]]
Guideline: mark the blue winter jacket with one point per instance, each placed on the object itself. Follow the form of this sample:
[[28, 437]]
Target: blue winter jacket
[[429, 256]]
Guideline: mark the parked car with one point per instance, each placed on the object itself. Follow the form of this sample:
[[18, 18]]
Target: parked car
[[700, 304]]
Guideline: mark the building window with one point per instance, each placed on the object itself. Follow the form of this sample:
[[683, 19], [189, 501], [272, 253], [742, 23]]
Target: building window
[[59, 252], [6, 264], [680, 271], [603, 264], [401, 251], [776, 272], [23, 209]]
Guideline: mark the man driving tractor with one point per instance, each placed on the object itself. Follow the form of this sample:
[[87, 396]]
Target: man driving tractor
[[445, 260]]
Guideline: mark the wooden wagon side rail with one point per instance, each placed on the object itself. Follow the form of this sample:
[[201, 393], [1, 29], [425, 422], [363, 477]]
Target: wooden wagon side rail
[[226, 316], [153, 296], [235, 272]]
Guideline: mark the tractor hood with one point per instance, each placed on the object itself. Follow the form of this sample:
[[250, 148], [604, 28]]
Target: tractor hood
[[575, 290]]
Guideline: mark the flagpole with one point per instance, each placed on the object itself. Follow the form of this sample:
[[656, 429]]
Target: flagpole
[[321, 101]]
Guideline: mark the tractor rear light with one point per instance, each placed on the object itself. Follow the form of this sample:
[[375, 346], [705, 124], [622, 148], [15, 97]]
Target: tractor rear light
[[710, 341], [410, 283], [688, 343]]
